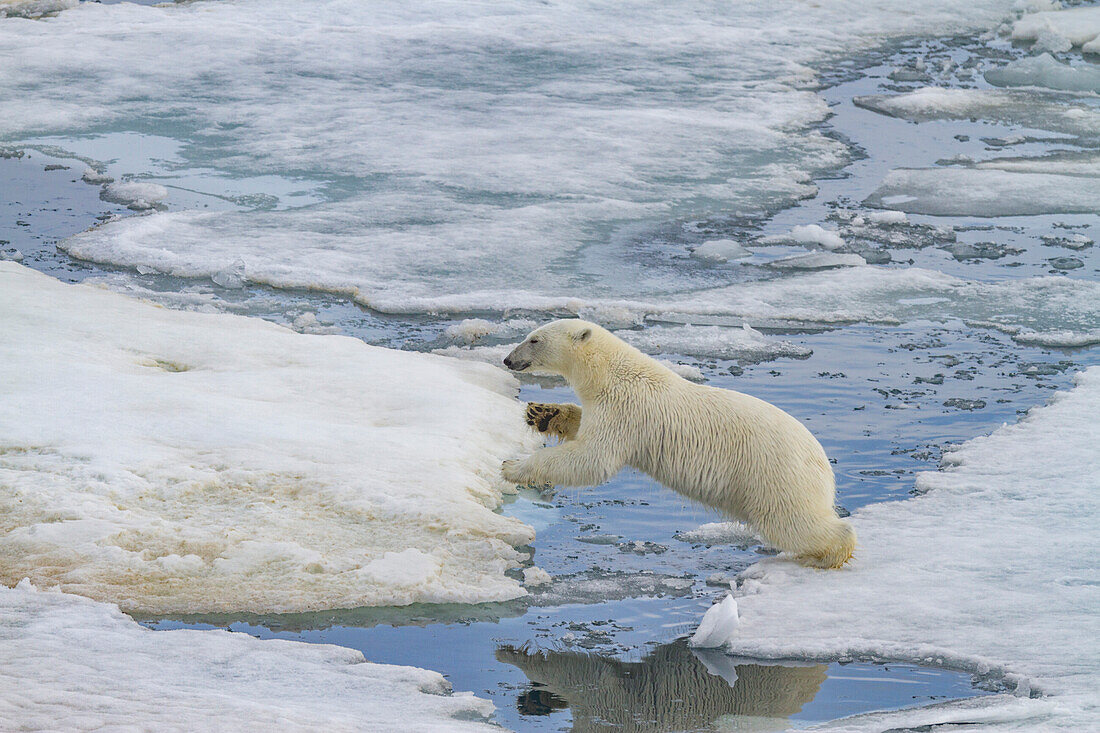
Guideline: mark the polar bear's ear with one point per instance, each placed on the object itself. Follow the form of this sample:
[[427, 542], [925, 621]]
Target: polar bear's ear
[[582, 335]]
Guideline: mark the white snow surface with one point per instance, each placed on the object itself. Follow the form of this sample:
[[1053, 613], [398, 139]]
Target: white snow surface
[[993, 571], [1078, 25], [175, 461], [70, 663], [528, 134]]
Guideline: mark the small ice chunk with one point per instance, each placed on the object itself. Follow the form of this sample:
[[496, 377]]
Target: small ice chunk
[[232, 277], [11, 253], [1052, 40], [817, 261], [136, 195], [720, 250], [687, 371], [1065, 263], [94, 177], [533, 577], [718, 625], [886, 217], [720, 533], [33, 8], [1078, 25], [309, 323], [1059, 339], [809, 234]]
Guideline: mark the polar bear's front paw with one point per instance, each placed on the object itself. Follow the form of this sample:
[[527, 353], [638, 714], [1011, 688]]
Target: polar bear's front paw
[[561, 421]]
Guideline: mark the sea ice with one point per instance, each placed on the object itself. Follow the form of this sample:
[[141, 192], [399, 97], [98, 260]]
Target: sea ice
[[720, 533], [535, 136], [745, 344], [719, 624], [70, 663], [136, 195], [985, 192], [178, 462], [720, 250], [809, 234], [1045, 71], [992, 570], [1078, 25], [817, 261], [1039, 110], [33, 8]]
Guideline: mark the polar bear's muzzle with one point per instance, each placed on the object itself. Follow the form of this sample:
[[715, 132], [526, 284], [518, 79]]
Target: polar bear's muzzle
[[520, 358]]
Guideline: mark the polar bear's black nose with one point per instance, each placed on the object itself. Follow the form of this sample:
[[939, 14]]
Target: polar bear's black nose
[[508, 362]]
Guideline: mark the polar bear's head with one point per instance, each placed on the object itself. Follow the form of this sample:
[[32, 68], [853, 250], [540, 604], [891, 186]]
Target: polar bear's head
[[553, 348]]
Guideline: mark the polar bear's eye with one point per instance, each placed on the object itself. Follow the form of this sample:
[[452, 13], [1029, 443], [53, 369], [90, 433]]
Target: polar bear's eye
[[534, 341]]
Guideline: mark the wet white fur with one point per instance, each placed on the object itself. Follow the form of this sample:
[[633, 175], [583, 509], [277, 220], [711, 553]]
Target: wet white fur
[[722, 448]]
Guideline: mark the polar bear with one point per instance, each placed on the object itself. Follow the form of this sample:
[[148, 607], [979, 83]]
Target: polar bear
[[721, 448]]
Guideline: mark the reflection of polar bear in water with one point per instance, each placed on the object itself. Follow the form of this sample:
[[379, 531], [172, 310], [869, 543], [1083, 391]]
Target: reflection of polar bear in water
[[719, 447], [673, 688]]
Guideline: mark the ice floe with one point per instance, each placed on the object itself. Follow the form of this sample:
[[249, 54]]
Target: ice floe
[[1080, 26], [992, 570], [745, 344], [720, 250], [33, 8], [809, 234], [1045, 71], [1038, 110], [182, 462], [523, 133], [70, 663], [985, 192]]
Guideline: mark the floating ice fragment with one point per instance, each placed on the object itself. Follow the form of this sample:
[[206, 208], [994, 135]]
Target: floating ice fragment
[[718, 625], [1065, 263], [809, 234], [1078, 25], [720, 250], [232, 277], [10, 253], [817, 261], [533, 577], [720, 533], [136, 195], [744, 344], [970, 192], [1045, 71], [91, 175]]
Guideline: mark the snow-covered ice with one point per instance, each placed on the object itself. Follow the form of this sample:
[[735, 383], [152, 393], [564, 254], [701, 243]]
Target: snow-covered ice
[[70, 663], [719, 623], [1051, 111], [522, 133], [720, 533], [817, 261], [1045, 71], [182, 462], [744, 344], [1078, 25], [809, 234], [992, 570], [986, 192], [720, 250], [137, 195]]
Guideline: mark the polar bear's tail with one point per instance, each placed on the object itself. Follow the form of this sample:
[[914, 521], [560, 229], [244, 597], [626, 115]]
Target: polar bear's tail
[[836, 545]]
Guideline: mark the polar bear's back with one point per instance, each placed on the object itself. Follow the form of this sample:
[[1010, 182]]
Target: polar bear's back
[[733, 451]]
